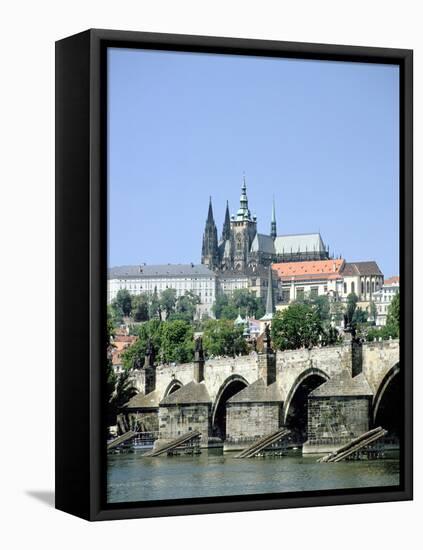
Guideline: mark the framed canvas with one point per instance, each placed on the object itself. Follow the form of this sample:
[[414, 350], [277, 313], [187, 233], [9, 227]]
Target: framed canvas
[[233, 226]]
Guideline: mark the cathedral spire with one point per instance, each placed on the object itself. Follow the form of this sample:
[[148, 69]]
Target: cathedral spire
[[210, 218], [243, 212], [226, 232], [210, 251], [273, 232]]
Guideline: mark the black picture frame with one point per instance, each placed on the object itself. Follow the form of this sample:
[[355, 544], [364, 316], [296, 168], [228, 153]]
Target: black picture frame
[[81, 269]]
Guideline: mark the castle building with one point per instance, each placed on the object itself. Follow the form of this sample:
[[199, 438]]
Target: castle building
[[242, 249], [334, 278], [148, 279]]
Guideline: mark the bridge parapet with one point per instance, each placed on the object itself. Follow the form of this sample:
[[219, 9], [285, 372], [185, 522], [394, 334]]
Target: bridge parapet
[[378, 359]]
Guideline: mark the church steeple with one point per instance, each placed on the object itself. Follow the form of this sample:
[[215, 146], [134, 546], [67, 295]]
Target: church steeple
[[226, 232], [273, 232], [210, 218], [243, 212], [210, 251]]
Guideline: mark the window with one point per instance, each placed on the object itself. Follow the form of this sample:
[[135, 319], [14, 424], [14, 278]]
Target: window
[[352, 287], [285, 296], [368, 286], [362, 287], [300, 294], [345, 288], [314, 291]]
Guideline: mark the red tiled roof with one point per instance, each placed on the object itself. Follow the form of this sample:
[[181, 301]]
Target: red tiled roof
[[319, 269]]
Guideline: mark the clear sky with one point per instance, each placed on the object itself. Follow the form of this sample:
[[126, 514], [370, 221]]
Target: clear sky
[[321, 137]]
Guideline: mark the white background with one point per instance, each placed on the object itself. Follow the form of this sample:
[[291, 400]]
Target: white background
[[28, 32]]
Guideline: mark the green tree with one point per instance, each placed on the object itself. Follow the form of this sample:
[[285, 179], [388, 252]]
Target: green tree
[[360, 316], [123, 302], [393, 317], [186, 307], [115, 314], [246, 303], [136, 353], [177, 341], [372, 313], [154, 309], [139, 307], [392, 327], [352, 300], [168, 301], [222, 337], [220, 303], [297, 326], [322, 305], [337, 310], [242, 302]]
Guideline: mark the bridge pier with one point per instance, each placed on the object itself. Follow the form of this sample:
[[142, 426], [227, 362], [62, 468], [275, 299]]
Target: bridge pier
[[338, 411]]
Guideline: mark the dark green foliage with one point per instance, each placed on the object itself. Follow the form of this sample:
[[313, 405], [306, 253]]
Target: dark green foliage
[[186, 306], [115, 314], [242, 302], [168, 301], [393, 317], [140, 308], [177, 341], [123, 302], [352, 300], [149, 330], [392, 327], [360, 316], [222, 337], [297, 326]]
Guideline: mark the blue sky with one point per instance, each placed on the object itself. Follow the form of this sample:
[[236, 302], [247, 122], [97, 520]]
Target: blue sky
[[321, 137]]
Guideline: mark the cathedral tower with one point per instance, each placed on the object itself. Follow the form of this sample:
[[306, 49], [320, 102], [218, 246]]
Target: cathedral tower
[[210, 251], [243, 229]]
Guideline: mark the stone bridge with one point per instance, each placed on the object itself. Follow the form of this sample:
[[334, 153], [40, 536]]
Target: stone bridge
[[325, 394]]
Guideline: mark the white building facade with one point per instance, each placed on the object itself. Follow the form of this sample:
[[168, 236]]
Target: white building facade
[[146, 279], [383, 299]]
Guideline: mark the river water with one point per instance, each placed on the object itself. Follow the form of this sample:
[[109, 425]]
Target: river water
[[132, 477]]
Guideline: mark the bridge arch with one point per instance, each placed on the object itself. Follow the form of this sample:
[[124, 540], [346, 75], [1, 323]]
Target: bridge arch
[[231, 386], [295, 407], [387, 401], [173, 386]]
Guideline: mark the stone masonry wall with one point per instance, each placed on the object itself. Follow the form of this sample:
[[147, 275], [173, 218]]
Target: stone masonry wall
[[336, 420], [249, 421], [175, 420]]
